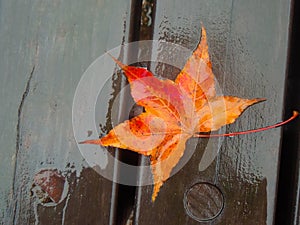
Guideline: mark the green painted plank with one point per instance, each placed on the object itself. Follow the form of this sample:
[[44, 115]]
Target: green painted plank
[[45, 48], [248, 43]]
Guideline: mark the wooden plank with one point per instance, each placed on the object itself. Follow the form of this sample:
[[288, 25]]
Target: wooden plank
[[248, 43], [14, 75], [288, 211], [45, 48]]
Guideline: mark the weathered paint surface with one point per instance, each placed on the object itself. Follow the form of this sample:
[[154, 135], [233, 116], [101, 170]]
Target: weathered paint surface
[[45, 46]]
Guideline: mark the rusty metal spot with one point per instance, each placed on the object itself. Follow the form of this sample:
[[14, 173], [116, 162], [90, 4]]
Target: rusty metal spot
[[49, 186], [203, 202]]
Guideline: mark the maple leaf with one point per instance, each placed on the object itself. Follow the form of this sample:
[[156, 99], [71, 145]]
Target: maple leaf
[[174, 112]]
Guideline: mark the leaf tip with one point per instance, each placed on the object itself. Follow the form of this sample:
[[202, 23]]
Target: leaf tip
[[256, 100], [203, 31], [120, 64], [153, 197], [156, 190], [93, 142], [260, 99]]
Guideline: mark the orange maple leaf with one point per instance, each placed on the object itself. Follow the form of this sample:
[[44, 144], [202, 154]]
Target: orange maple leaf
[[174, 112]]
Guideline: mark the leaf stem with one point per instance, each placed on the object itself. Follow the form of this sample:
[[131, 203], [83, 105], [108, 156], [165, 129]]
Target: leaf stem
[[295, 114]]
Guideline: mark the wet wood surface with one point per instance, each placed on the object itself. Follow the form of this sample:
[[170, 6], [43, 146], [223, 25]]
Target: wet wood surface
[[45, 48], [248, 61], [289, 183]]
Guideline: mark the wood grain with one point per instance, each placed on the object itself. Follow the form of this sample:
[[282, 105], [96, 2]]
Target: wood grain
[[45, 48], [248, 44]]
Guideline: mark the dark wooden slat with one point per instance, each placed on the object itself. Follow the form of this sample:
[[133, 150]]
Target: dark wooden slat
[[141, 28], [248, 43], [45, 48], [289, 182]]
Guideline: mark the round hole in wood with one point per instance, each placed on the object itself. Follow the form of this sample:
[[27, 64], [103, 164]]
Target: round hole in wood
[[203, 201]]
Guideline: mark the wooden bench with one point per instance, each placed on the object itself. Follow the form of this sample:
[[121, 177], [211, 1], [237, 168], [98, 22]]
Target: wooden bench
[[47, 45]]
